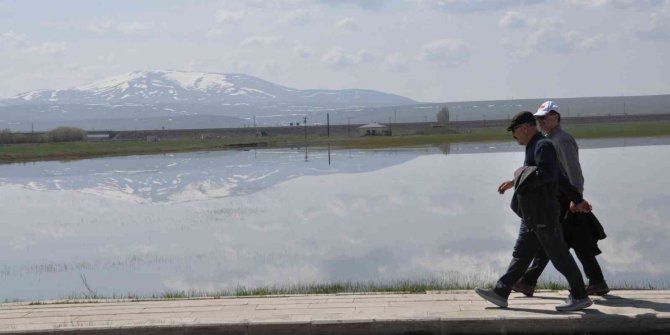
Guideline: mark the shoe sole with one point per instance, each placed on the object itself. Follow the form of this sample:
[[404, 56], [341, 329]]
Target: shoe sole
[[599, 293], [528, 294], [497, 303], [574, 308]]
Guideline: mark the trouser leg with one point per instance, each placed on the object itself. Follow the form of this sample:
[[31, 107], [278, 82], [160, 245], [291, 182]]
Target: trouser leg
[[592, 269], [525, 248], [541, 259], [553, 244], [535, 270]]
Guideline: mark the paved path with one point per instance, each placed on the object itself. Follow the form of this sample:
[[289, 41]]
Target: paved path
[[433, 313]]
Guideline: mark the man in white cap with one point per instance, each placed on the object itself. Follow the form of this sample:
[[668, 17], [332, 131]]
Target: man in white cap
[[576, 229], [535, 201]]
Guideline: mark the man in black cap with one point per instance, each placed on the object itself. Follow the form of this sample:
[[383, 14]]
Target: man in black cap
[[580, 230], [535, 200]]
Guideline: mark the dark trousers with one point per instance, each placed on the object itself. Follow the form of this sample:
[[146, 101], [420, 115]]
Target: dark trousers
[[528, 243], [580, 241], [592, 269]]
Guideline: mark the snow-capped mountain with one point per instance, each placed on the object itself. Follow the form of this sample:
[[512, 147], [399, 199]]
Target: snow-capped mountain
[[150, 87], [183, 99]]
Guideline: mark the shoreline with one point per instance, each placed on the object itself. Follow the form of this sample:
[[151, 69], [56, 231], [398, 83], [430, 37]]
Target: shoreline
[[335, 288], [65, 151]]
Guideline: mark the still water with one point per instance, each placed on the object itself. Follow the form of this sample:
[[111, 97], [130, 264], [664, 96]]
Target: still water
[[218, 220]]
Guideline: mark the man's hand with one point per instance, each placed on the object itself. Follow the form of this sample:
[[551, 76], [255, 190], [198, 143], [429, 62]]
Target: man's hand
[[583, 207], [506, 185]]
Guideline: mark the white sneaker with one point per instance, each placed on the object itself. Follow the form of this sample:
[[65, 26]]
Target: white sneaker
[[572, 304], [492, 297]]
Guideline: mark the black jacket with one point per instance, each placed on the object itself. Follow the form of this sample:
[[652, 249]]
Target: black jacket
[[582, 232], [536, 190]]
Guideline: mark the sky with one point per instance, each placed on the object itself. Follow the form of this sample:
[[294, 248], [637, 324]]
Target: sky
[[426, 50]]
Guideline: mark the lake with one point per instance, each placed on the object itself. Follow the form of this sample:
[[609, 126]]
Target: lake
[[211, 221]]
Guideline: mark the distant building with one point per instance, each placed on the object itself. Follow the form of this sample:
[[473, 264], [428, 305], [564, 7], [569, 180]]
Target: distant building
[[374, 129], [443, 116], [97, 137]]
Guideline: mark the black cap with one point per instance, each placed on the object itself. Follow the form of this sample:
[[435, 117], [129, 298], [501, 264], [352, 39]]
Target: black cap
[[521, 118]]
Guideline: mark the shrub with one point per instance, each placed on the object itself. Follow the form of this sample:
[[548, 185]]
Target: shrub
[[6, 136], [65, 134]]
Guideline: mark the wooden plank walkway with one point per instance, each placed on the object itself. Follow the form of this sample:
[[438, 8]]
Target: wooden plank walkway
[[449, 312]]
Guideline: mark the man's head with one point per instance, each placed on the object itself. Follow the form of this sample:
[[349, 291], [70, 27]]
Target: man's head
[[523, 127], [548, 117]]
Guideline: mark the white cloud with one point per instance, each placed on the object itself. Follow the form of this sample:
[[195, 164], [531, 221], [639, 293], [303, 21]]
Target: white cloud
[[13, 39], [548, 39], [347, 23], [364, 4], [618, 4], [225, 16], [270, 67], [461, 6], [297, 17], [101, 27], [658, 28], [259, 41], [546, 36], [237, 65], [303, 51], [128, 28], [216, 31], [515, 20], [20, 42], [449, 52], [396, 62], [337, 58], [49, 48], [134, 27]]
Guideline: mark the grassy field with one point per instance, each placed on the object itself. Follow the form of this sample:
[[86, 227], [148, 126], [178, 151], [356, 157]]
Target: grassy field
[[79, 150]]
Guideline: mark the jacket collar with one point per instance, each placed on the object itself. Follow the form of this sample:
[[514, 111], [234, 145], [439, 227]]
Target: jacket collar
[[538, 136]]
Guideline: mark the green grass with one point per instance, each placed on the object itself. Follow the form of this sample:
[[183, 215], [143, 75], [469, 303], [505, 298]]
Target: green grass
[[398, 286], [79, 150]]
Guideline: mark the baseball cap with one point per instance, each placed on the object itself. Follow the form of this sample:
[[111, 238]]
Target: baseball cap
[[546, 107], [521, 118]]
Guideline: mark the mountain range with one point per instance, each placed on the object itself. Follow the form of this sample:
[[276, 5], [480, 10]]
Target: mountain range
[[192, 100], [181, 99]]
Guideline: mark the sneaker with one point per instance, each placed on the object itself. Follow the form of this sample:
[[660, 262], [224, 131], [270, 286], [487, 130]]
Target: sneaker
[[524, 288], [572, 304], [597, 289], [492, 297]]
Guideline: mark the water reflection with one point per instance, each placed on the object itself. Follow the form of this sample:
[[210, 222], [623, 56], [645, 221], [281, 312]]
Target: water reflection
[[269, 217], [183, 177]]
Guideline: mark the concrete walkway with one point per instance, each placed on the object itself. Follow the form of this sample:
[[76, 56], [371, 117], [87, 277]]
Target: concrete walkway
[[433, 313]]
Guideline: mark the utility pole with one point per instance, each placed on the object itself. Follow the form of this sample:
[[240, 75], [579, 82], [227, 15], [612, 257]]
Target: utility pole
[[304, 122], [254, 121], [328, 124]]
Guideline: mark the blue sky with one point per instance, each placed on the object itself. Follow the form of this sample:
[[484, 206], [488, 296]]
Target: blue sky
[[427, 50]]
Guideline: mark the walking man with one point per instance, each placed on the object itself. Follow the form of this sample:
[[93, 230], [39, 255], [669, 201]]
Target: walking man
[[535, 200], [577, 229]]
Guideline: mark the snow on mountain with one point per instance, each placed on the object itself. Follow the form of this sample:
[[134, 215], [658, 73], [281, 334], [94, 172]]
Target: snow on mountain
[[183, 99], [151, 87]]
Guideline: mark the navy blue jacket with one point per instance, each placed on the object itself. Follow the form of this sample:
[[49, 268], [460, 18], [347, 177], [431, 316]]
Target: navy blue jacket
[[537, 201]]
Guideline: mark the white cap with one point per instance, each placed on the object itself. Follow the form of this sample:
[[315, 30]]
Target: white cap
[[546, 107]]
